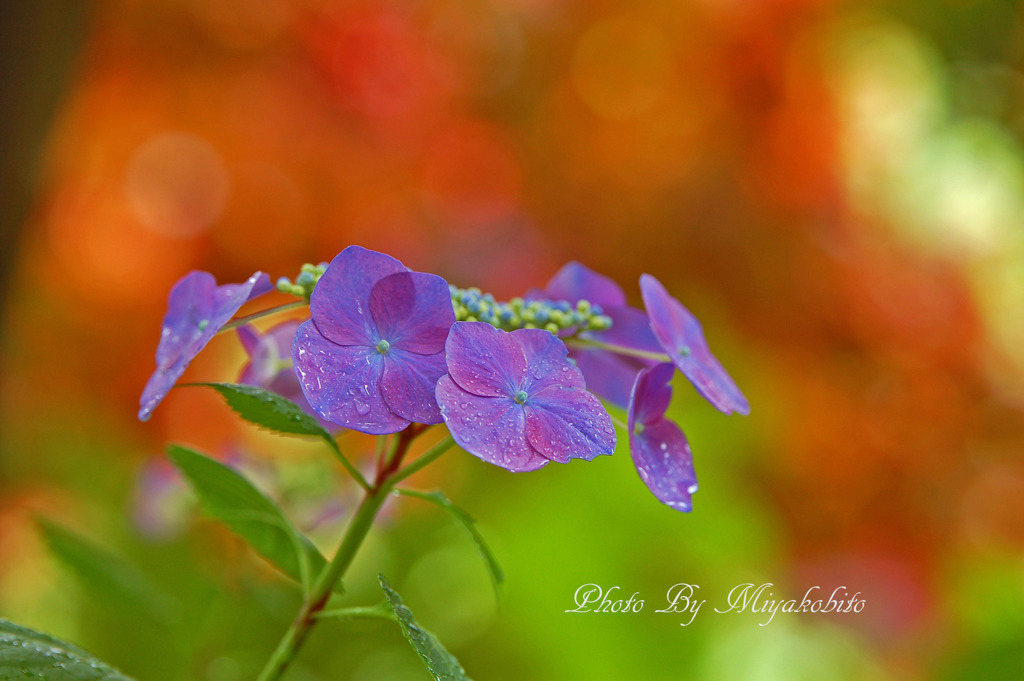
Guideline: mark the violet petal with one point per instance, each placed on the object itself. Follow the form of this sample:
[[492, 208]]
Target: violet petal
[[196, 310], [409, 382], [575, 282], [547, 361], [663, 459], [682, 338], [341, 300], [490, 428], [341, 382], [484, 360], [568, 423], [412, 311]]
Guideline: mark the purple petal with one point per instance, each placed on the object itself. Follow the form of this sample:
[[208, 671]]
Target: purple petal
[[490, 428], [341, 300], [568, 423], [630, 329], [342, 382], [651, 395], [409, 383], [681, 337], [413, 311], [609, 376], [662, 457], [575, 282], [196, 310], [547, 361], [485, 360]]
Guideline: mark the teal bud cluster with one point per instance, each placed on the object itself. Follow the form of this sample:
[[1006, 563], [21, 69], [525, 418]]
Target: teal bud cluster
[[304, 284], [556, 316]]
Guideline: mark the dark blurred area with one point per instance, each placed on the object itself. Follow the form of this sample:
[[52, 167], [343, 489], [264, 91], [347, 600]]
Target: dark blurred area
[[835, 189]]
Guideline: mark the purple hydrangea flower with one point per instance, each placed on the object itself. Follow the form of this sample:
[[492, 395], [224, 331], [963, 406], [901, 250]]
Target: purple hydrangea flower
[[660, 451], [681, 336], [196, 310], [610, 375], [270, 363], [372, 353], [515, 400]]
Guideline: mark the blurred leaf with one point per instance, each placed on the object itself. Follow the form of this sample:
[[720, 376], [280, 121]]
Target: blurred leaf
[[439, 499], [107, 572], [268, 410], [439, 662], [231, 498], [279, 414], [27, 654]]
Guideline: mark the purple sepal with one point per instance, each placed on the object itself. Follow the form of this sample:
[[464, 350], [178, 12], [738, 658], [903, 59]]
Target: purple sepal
[[681, 336], [515, 400], [608, 374], [196, 310], [659, 448], [371, 356]]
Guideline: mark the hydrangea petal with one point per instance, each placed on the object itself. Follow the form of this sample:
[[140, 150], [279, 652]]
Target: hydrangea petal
[[681, 337], [658, 446], [568, 423], [663, 459], [609, 376], [489, 428], [408, 384], [341, 382], [547, 361], [575, 282], [196, 310], [484, 360], [413, 311], [631, 328], [651, 395], [341, 300]]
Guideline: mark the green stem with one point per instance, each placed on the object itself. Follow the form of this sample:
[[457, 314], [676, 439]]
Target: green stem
[[618, 349], [357, 530], [235, 323], [355, 534]]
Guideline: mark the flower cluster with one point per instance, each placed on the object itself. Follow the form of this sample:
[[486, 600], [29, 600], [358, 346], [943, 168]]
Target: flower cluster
[[516, 383]]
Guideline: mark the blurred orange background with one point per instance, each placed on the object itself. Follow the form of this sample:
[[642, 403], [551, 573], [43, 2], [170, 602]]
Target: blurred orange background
[[835, 189]]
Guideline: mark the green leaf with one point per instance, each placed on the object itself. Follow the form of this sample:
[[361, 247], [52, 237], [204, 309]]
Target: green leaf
[[27, 654], [439, 662], [274, 412], [111, 575], [439, 499], [268, 410], [229, 497]]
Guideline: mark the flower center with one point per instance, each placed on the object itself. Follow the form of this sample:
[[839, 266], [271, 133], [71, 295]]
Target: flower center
[[383, 346], [684, 350], [203, 323], [520, 397]]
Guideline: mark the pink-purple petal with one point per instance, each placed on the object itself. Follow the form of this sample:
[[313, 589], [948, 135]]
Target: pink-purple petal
[[412, 311], [342, 382], [663, 459], [196, 310], [484, 360], [681, 336], [568, 423], [576, 282], [546, 361], [341, 300], [608, 376], [490, 428], [409, 382], [651, 395]]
